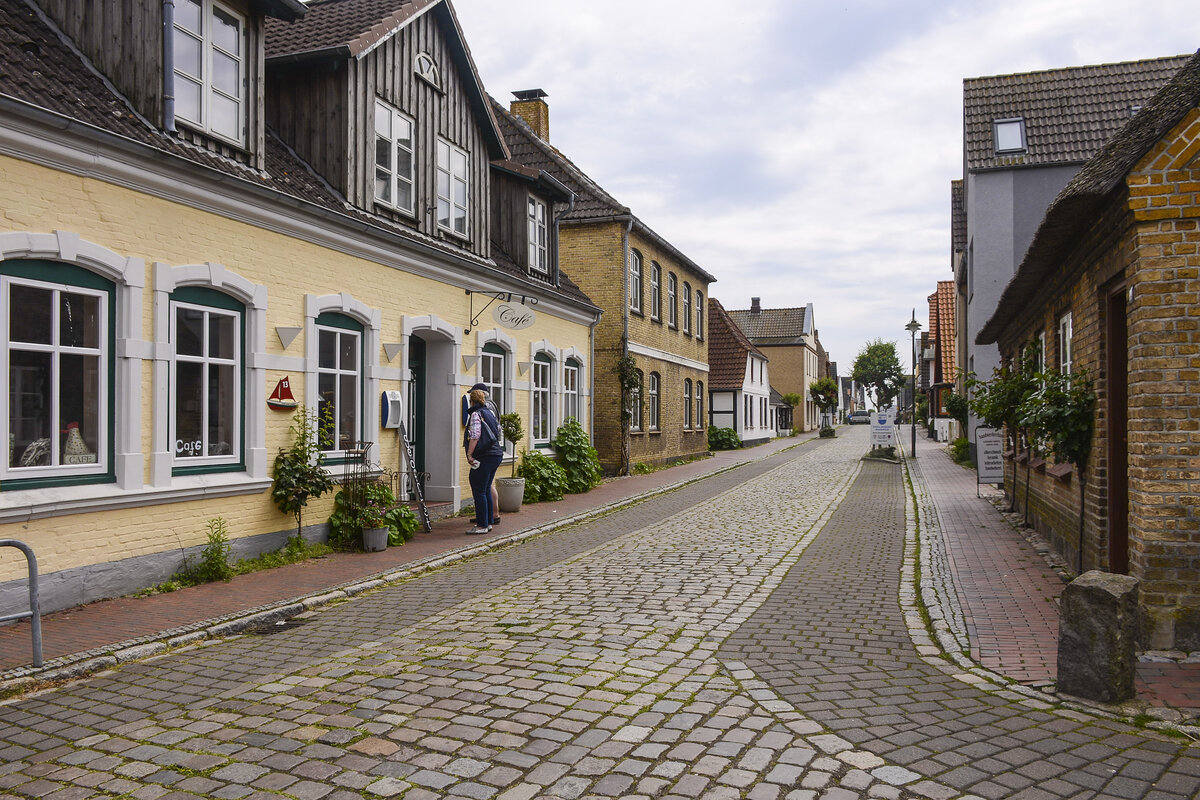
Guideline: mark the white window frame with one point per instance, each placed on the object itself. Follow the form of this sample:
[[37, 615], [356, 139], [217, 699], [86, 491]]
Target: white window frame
[[103, 414], [700, 423], [699, 315], [338, 372], [448, 178], [206, 361], [493, 373], [672, 300], [1064, 343], [571, 390], [635, 408], [394, 119], [687, 404], [208, 10], [541, 393], [653, 405], [539, 249], [655, 291], [686, 311], [635, 281]]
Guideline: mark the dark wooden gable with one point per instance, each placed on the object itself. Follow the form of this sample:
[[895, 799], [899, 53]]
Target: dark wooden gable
[[325, 109], [124, 40]]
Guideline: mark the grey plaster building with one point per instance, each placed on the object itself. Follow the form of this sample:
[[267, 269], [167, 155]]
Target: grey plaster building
[[1024, 137]]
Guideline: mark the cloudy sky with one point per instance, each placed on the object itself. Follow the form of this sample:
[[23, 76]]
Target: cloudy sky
[[799, 150]]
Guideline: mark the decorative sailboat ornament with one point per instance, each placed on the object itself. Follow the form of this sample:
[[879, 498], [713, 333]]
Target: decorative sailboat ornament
[[282, 396]]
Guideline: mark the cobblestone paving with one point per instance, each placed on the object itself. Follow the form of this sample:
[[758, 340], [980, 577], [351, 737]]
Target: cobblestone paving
[[563, 668], [654, 653], [833, 641]]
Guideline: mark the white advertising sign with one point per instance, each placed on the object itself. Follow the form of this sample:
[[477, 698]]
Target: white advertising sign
[[881, 431], [989, 455]]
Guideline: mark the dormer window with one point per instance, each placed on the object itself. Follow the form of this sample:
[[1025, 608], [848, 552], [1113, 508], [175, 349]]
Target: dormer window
[[1009, 135], [539, 254], [210, 68], [393, 158], [452, 188]]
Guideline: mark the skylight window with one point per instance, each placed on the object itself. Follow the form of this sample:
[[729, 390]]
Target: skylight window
[[1009, 135]]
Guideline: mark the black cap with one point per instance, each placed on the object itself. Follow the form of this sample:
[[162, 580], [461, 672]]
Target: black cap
[[480, 386]]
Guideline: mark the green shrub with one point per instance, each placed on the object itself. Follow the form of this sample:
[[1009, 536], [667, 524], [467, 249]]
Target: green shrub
[[577, 457], [368, 504], [214, 560], [642, 468], [828, 432], [882, 452], [723, 439], [544, 479], [960, 450]]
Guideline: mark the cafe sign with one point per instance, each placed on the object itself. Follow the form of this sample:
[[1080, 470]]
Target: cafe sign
[[514, 316]]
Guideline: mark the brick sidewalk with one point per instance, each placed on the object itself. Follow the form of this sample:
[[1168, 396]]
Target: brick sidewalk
[[1009, 593], [97, 628]]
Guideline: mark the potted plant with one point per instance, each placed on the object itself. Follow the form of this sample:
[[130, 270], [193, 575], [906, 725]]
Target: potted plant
[[372, 515], [299, 471], [511, 491]]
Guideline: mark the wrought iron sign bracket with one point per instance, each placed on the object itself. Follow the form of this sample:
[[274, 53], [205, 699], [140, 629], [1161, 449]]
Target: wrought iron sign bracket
[[506, 297]]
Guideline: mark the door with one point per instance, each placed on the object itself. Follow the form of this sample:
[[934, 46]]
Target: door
[[416, 400], [1117, 371]]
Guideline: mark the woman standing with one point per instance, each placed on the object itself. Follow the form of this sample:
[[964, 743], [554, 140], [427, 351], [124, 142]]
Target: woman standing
[[484, 453]]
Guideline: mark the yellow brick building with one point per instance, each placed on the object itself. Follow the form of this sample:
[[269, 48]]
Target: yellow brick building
[[655, 303], [161, 272]]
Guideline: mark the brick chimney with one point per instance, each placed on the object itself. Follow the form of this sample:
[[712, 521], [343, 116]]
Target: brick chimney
[[531, 106], [755, 305]]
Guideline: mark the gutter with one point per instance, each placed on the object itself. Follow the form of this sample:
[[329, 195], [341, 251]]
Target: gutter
[[168, 24]]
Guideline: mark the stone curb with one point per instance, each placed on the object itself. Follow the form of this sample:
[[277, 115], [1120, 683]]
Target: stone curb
[[82, 664]]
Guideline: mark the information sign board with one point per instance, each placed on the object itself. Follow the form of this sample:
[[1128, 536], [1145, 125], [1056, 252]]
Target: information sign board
[[989, 455], [881, 431]]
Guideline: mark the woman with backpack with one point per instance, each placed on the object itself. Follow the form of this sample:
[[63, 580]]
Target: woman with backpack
[[484, 453]]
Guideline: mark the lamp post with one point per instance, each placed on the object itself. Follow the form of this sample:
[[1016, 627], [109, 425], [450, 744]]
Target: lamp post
[[912, 327]]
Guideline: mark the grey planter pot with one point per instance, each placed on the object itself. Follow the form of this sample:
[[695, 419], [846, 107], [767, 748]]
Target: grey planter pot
[[375, 539], [511, 493]]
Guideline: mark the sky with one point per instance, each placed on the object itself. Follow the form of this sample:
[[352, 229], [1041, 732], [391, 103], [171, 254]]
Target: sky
[[800, 151]]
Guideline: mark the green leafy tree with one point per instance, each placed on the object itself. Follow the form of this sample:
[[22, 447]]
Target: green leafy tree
[[825, 393], [514, 431], [576, 456], [299, 470], [877, 368], [1001, 401], [958, 408], [630, 381]]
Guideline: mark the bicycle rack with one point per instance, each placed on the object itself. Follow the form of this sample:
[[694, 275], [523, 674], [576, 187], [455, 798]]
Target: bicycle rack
[[33, 613]]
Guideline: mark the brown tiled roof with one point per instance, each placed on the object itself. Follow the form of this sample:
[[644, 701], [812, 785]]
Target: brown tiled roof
[[40, 72], [1069, 113], [1077, 205], [946, 332], [958, 219], [349, 26], [772, 326], [592, 202], [727, 349]]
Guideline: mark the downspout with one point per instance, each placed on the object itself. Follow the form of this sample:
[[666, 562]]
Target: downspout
[[626, 444], [168, 17], [557, 241]]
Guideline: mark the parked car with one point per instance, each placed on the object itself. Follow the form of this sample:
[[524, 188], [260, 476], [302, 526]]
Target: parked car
[[859, 417]]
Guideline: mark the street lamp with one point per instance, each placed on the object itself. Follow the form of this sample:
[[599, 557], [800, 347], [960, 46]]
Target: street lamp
[[912, 327]]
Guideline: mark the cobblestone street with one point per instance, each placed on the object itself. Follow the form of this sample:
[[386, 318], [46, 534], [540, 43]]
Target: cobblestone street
[[750, 635]]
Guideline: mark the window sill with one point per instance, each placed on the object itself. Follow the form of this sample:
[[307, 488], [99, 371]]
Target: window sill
[[30, 504], [1060, 472]]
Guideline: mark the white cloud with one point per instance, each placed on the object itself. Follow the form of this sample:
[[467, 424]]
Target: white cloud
[[800, 153]]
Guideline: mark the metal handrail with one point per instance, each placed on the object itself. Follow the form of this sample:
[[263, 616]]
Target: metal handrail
[[33, 613]]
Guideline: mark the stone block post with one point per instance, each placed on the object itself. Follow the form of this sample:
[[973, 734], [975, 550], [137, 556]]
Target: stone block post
[[1097, 632]]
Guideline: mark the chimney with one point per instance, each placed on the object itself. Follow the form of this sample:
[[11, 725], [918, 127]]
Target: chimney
[[531, 106], [755, 305]]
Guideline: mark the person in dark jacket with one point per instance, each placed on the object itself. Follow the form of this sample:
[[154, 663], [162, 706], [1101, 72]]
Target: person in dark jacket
[[484, 453], [466, 414]]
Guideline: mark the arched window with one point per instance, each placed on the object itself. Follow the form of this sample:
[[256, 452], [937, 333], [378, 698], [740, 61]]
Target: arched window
[[571, 389], [58, 402], [493, 373], [635, 405], [687, 307], [542, 423], [672, 301], [652, 397], [339, 381], [655, 291], [635, 281], [207, 406], [687, 403]]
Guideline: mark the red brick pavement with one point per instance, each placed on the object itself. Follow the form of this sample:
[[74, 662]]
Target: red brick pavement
[[105, 623], [1009, 593]]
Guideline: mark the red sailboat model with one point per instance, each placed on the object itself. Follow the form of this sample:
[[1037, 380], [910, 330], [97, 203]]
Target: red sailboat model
[[282, 396]]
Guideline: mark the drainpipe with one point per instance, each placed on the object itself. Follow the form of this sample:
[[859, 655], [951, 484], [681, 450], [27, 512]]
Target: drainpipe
[[592, 366], [625, 312], [168, 18], [557, 219]]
